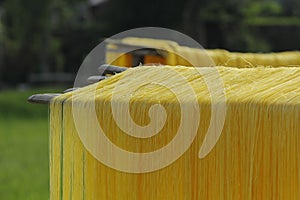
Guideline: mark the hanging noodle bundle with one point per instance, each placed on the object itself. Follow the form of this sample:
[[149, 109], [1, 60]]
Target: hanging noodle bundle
[[256, 157], [182, 55]]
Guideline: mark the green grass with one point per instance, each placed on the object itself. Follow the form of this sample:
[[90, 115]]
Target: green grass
[[24, 154]]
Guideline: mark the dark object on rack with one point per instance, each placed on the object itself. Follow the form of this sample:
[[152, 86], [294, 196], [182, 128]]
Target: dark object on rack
[[103, 69]]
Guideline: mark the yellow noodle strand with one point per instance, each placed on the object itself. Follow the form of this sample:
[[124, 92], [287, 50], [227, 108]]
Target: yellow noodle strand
[[256, 157], [186, 56]]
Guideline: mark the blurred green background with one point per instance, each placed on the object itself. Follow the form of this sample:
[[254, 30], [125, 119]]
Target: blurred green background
[[23, 147], [54, 36]]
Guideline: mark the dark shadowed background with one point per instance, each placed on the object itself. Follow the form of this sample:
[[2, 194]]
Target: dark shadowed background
[[55, 35]]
